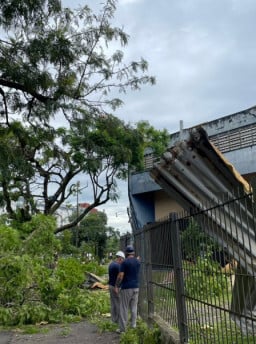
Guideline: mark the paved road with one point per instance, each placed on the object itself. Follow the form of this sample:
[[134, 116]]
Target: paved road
[[5, 337], [76, 333]]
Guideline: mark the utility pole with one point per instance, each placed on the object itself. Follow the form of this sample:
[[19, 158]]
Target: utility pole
[[78, 189], [77, 211]]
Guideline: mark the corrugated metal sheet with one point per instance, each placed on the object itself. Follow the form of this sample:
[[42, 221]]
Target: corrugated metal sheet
[[197, 175]]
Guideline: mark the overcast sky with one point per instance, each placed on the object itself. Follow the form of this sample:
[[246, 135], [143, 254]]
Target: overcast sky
[[203, 55]]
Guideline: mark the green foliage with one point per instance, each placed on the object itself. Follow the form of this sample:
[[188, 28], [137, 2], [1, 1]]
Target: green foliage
[[93, 232], [31, 313], [7, 316], [48, 286], [155, 139], [204, 280], [57, 76], [66, 243], [33, 329], [106, 141], [195, 242], [42, 242], [38, 223], [65, 331], [94, 237], [10, 240], [15, 278], [95, 268], [212, 333], [84, 303], [105, 325], [113, 241], [36, 285], [70, 273], [12, 10], [142, 334]]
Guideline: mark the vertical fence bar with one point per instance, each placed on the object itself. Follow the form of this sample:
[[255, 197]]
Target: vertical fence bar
[[179, 280], [212, 316], [149, 276], [139, 238]]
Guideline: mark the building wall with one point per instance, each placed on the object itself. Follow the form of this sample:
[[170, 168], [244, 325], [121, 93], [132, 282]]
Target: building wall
[[143, 208], [243, 159], [164, 205]]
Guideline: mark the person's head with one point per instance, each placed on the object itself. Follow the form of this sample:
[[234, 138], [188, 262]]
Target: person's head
[[129, 251], [120, 256]]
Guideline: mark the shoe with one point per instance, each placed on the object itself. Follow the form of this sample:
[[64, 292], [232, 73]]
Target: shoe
[[119, 331]]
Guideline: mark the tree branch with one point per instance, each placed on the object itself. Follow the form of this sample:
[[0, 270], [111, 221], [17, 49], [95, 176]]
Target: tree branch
[[17, 86]]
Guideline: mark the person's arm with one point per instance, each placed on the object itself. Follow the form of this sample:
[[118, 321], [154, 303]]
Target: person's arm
[[119, 279]]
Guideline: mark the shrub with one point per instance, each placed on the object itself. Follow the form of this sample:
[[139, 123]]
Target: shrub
[[205, 280], [95, 268], [16, 278], [10, 240], [35, 286], [142, 334]]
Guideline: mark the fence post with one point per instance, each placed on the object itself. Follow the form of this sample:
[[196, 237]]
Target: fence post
[[150, 296], [179, 280]]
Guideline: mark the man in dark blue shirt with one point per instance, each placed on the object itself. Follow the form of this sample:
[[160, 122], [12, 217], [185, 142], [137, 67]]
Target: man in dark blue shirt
[[113, 270], [128, 280]]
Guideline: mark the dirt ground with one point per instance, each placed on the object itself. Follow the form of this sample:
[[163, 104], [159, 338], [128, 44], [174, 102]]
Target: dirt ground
[[75, 333]]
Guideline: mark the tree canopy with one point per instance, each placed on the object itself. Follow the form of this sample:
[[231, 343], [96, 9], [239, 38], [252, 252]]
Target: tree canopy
[[58, 81], [94, 235]]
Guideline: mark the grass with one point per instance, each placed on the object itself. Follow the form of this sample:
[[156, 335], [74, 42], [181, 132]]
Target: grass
[[104, 324], [65, 331], [219, 335], [32, 329], [211, 322]]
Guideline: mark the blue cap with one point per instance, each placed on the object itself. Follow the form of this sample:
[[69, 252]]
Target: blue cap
[[129, 249]]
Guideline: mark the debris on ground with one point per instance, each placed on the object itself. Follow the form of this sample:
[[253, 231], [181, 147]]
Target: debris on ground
[[95, 282]]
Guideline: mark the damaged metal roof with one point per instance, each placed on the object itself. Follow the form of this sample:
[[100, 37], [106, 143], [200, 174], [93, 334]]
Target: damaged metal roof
[[198, 176]]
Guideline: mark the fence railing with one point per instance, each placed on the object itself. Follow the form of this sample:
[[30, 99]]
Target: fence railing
[[199, 280]]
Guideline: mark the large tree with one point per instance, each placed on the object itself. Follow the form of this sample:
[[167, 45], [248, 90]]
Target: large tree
[[58, 77], [93, 233]]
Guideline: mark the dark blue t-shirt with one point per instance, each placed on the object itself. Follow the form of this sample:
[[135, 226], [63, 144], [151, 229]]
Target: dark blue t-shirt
[[130, 267], [113, 270]]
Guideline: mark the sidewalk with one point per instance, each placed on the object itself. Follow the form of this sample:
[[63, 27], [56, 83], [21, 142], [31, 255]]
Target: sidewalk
[[75, 333]]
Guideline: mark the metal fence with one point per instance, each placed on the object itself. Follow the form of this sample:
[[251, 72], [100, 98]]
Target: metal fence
[[198, 273]]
